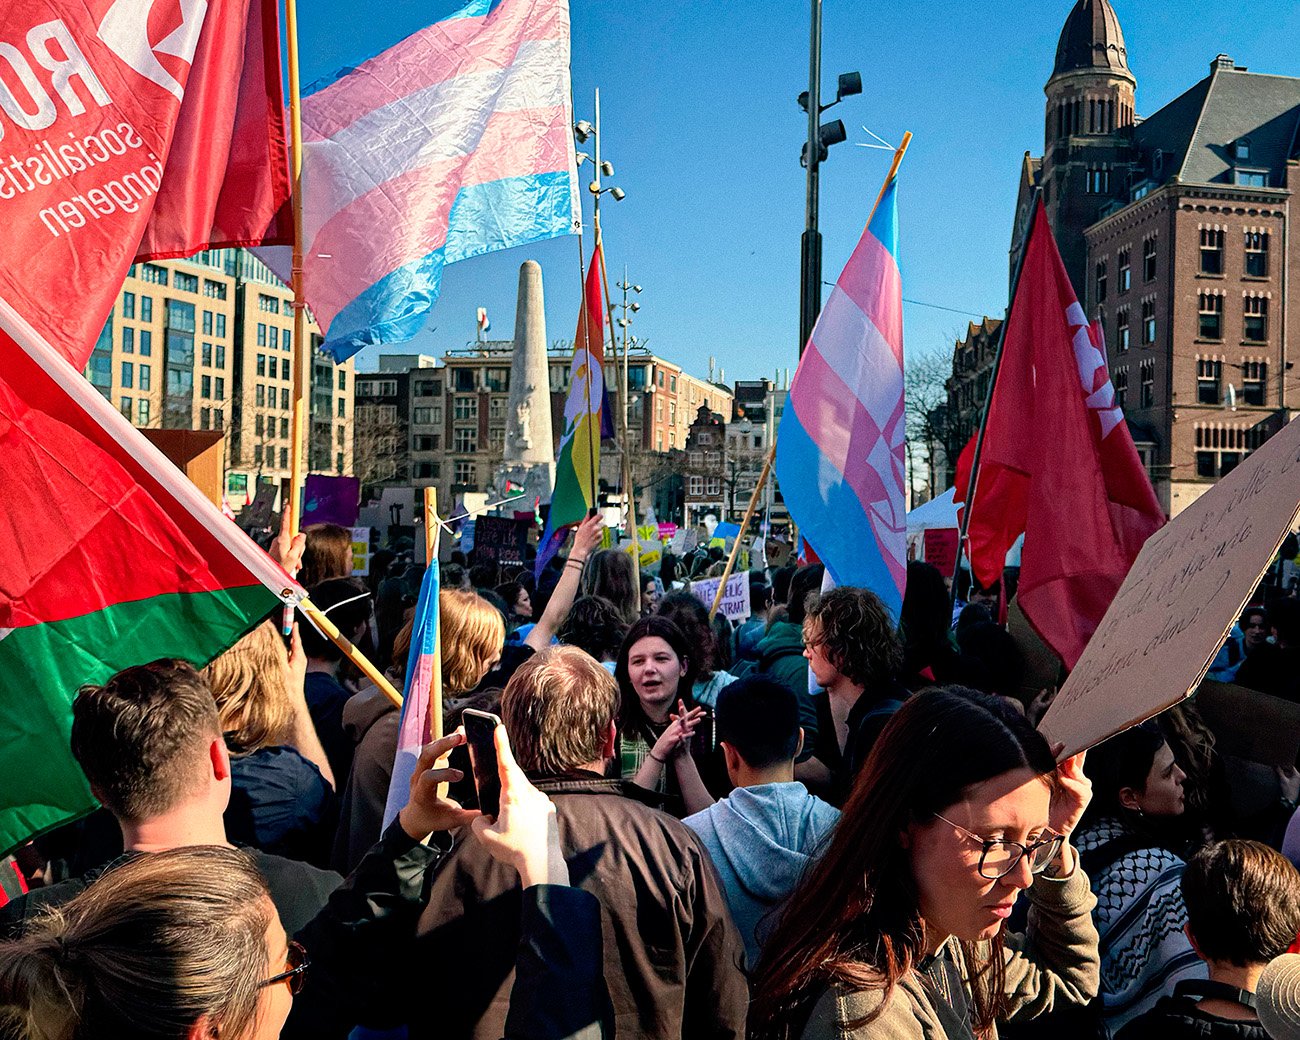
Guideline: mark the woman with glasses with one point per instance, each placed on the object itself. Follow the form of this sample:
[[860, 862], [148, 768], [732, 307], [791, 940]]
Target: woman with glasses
[[897, 931], [186, 943]]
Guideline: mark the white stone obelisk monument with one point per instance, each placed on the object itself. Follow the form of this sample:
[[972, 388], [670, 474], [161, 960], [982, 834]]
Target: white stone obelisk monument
[[529, 456]]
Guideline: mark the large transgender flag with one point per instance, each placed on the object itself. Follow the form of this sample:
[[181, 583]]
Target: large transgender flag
[[413, 731], [456, 142], [839, 451]]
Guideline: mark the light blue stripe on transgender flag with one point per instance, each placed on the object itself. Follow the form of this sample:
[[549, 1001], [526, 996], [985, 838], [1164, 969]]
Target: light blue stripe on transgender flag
[[515, 211], [837, 527], [884, 225], [415, 698]]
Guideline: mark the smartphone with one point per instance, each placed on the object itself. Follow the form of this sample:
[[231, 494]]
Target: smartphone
[[480, 729]]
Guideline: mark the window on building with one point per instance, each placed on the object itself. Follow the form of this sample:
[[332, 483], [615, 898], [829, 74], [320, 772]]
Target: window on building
[[713, 486], [259, 395], [261, 365], [268, 304], [221, 324], [465, 440], [284, 398], [207, 323], [1211, 251], [1255, 324], [257, 454], [636, 378], [146, 308], [1254, 381], [146, 377], [343, 376], [1119, 380], [128, 375], [205, 354], [153, 274], [1209, 380], [1148, 322], [205, 418], [185, 282], [1101, 281], [464, 473], [214, 290], [496, 437], [128, 305], [128, 340], [697, 485], [218, 418], [142, 417], [465, 379], [425, 443], [261, 334], [465, 408], [285, 373], [259, 424], [1241, 148], [498, 380], [1098, 180], [1149, 258], [1121, 331], [1211, 316], [672, 384], [284, 458], [341, 408], [1257, 254], [220, 395], [424, 388], [428, 470], [284, 427], [128, 408], [1147, 387], [1125, 279], [205, 386], [497, 408], [1251, 178]]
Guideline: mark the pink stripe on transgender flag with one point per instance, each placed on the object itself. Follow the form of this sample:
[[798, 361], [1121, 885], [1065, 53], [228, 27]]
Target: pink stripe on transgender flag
[[415, 209], [871, 280], [839, 456], [443, 51]]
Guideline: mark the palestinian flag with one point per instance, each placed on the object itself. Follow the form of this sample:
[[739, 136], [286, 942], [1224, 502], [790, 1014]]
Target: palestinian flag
[[109, 557]]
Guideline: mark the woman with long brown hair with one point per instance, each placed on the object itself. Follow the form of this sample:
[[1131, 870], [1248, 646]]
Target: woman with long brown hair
[[897, 931]]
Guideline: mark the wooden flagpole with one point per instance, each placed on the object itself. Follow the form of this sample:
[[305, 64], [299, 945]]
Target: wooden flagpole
[[432, 540], [332, 633], [744, 526], [301, 356]]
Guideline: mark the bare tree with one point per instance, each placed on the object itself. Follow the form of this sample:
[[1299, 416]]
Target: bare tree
[[927, 440], [379, 452]]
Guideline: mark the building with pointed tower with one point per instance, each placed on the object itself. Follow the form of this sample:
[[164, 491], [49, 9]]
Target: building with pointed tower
[[1175, 230]]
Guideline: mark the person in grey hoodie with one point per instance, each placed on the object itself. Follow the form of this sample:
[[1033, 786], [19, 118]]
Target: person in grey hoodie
[[761, 836]]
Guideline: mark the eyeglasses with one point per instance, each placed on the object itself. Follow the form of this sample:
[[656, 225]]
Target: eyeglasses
[[1000, 856], [295, 973]]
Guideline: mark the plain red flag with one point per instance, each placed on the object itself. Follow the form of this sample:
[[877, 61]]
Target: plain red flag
[[1058, 463]]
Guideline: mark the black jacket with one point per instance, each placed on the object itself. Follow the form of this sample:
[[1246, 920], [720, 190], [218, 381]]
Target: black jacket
[[672, 956], [1178, 1018], [362, 956]]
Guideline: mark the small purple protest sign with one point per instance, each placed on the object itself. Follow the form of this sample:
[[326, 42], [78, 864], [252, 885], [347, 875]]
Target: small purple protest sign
[[331, 500]]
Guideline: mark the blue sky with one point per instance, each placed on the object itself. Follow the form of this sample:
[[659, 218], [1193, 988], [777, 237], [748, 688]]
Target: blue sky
[[700, 120]]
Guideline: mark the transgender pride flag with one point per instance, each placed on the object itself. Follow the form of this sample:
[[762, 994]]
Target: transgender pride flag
[[456, 142], [413, 730], [839, 451]]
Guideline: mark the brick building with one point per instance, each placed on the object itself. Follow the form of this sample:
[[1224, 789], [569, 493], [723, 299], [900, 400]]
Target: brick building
[[1175, 230]]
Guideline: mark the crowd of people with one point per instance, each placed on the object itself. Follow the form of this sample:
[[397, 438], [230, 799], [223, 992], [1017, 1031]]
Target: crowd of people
[[825, 822]]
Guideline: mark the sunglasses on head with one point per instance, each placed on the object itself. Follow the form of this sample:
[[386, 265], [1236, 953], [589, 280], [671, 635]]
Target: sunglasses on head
[[295, 973]]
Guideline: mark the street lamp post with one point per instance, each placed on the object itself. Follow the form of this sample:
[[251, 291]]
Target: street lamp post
[[820, 137]]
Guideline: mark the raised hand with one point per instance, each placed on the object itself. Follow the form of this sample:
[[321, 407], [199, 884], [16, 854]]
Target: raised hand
[[427, 811]]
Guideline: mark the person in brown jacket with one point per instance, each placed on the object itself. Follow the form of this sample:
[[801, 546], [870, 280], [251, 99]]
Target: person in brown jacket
[[672, 954], [897, 932]]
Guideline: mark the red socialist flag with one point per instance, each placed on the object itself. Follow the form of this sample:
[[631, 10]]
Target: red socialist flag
[[1058, 463], [90, 101]]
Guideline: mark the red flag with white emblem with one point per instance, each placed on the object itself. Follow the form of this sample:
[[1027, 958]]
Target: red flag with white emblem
[[1058, 463], [90, 99]]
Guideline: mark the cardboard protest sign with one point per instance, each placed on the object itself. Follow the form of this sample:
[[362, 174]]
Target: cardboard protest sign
[[649, 559], [1182, 595], [735, 601], [361, 550], [779, 553], [941, 549], [500, 539], [1251, 725]]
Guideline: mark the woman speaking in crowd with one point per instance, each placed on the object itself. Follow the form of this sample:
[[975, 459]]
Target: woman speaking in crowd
[[897, 931], [658, 716]]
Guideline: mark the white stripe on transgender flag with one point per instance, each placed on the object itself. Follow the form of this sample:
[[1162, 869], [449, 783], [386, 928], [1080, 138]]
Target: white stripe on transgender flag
[[453, 143], [429, 130], [856, 352]]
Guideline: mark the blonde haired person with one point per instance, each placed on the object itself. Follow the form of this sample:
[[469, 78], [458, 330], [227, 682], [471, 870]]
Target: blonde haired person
[[283, 789]]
